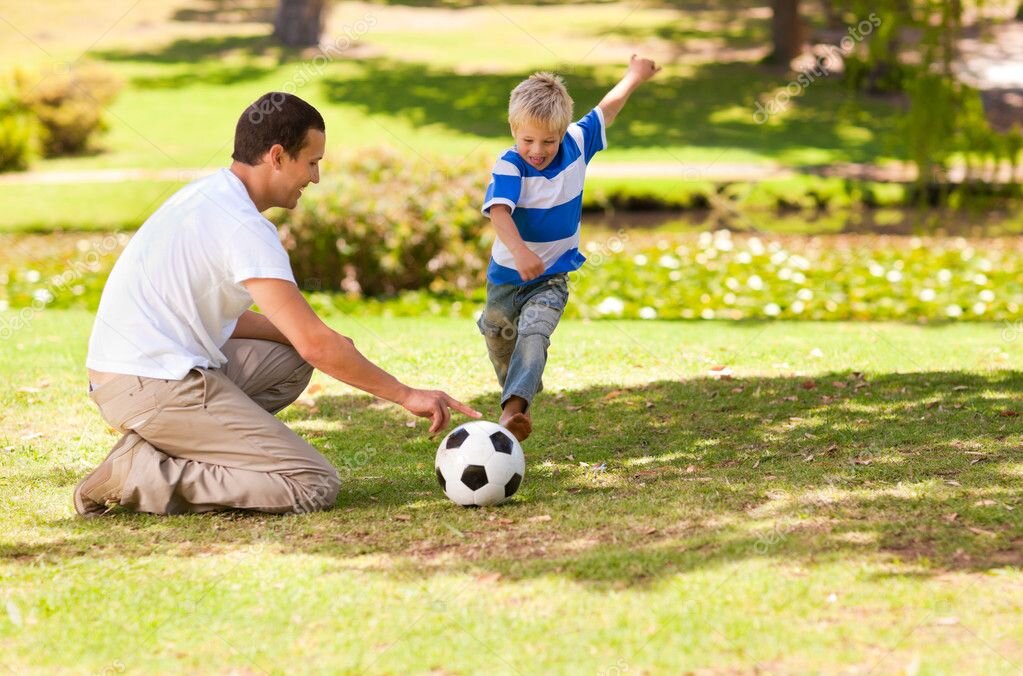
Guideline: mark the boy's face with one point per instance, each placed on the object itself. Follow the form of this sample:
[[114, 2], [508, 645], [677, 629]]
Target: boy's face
[[536, 144]]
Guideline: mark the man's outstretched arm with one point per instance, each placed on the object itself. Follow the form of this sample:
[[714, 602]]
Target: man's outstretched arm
[[327, 350]]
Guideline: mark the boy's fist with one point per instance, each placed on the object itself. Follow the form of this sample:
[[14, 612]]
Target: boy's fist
[[529, 265], [642, 69]]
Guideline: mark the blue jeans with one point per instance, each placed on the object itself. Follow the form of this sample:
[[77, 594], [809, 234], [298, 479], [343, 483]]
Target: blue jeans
[[517, 324]]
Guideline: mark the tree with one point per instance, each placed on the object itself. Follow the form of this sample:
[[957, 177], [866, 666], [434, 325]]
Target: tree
[[787, 31], [299, 23]]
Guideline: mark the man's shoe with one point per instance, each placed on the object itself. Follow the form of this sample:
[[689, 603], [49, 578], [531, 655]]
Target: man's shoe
[[104, 484]]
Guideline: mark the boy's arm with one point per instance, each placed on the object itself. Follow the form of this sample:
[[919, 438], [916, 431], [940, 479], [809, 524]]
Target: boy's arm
[[529, 265], [640, 70]]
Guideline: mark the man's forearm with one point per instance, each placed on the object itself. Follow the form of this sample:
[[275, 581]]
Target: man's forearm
[[338, 357]]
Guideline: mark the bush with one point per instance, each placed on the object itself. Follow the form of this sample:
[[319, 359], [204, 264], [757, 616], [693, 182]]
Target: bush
[[17, 135], [381, 222], [69, 105]]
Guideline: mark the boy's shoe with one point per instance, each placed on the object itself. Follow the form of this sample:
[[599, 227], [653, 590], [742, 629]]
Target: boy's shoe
[[104, 484]]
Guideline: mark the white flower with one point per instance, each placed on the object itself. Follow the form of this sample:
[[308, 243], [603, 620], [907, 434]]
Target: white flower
[[639, 259], [705, 239], [42, 296], [756, 247], [675, 275], [647, 313], [944, 276], [979, 308], [772, 310], [778, 257], [785, 273], [755, 283], [798, 278], [706, 313], [799, 262], [3, 305], [980, 279], [669, 262], [729, 298], [611, 306], [926, 295], [732, 283], [987, 295], [893, 276], [797, 307], [876, 269], [953, 311], [32, 276], [805, 294], [744, 257]]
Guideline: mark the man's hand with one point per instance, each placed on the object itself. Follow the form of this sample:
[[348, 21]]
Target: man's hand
[[642, 69], [435, 405], [529, 265]]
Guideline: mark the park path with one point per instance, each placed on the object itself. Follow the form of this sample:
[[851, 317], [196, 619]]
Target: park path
[[994, 65]]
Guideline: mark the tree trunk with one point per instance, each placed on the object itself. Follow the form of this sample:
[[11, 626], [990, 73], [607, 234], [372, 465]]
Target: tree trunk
[[299, 23], [787, 31]]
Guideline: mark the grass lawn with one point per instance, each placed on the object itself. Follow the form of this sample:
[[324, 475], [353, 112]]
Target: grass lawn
[[849, 498]]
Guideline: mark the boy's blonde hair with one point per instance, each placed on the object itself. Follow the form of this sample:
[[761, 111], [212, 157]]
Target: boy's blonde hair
[[541, 99]]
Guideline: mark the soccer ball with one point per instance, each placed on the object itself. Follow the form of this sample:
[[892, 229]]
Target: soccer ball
[[480, 463]]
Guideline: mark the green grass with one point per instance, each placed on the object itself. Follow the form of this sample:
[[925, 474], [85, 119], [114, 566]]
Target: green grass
[[795, 518]]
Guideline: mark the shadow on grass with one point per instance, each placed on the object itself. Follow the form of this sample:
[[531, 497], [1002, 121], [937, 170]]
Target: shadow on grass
[[626, 486], [222, 60], [227, 11], [712, 107]]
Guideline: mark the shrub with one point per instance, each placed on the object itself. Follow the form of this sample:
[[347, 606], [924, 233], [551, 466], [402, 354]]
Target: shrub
[[69, 105], [381, 222], [17, 135]]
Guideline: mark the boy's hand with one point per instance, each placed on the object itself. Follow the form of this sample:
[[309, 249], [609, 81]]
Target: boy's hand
[[529, 265], [642, 69]]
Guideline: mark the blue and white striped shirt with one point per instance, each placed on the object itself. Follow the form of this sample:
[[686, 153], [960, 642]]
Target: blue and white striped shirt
[[546, 204]]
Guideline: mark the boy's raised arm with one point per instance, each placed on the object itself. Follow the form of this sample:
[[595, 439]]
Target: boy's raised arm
[[640, 70]]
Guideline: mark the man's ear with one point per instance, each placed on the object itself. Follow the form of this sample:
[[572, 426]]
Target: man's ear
[[275, 153]]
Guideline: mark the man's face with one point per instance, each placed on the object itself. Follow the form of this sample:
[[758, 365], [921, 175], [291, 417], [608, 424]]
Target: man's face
[[535, 144], [296, 173]]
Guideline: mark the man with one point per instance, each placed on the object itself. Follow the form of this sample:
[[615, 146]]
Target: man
[[192, 377]]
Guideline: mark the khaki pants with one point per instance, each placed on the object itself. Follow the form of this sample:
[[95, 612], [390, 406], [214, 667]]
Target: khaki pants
[[210, 441]]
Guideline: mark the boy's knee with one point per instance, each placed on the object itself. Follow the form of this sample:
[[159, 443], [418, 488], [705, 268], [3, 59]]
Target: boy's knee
[[539, 319], [497, 327]]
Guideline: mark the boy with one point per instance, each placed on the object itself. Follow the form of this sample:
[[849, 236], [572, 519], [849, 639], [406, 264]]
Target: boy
[[534, 201]]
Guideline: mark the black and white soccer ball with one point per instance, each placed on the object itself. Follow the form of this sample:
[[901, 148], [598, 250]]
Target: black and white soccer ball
[[480, 463]]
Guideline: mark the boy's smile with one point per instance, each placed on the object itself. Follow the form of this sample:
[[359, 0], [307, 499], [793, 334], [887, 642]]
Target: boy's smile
[[536, 145]]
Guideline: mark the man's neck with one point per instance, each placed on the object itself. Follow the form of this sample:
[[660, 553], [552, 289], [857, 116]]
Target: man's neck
[[250, 178]]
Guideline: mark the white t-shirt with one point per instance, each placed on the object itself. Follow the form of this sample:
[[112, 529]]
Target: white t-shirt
[[175, 294]]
